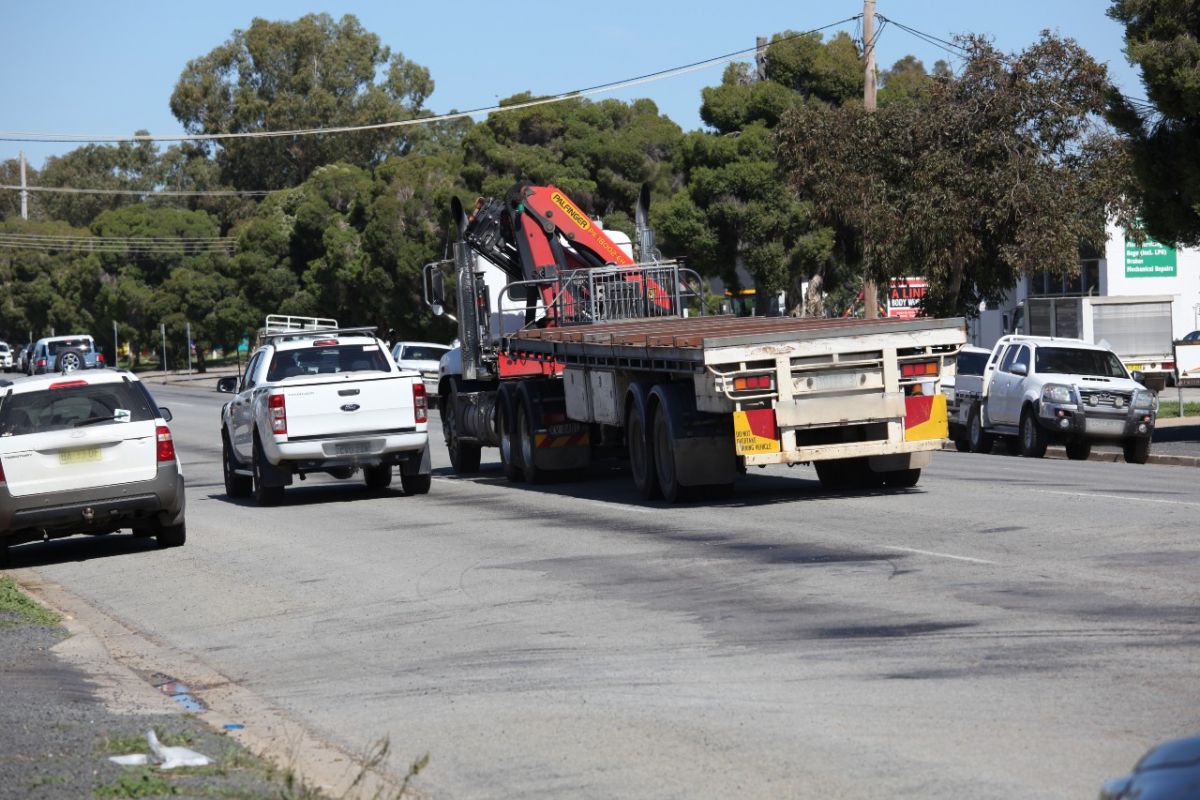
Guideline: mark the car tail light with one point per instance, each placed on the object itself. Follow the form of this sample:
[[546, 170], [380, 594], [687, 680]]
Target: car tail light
[[99, 358], [420, 403], [277, 407], [41, 362], [752, 382], [922, 368], [166, 446]]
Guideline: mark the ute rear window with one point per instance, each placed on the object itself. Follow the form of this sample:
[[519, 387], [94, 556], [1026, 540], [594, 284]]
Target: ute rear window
[[328, 360], [73, 407], [971, 363], [1071, 361]]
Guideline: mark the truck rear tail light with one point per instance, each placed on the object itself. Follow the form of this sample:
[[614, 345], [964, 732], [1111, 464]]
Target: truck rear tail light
[[1169, 366], [753, 382], [917, 369], [277, 411], [421, 403], [166, 446]]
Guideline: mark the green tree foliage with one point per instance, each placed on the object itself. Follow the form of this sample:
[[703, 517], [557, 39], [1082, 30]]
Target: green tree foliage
[[994, 173], [46, 289], [1162, 37], [312, 73], [127, 166]]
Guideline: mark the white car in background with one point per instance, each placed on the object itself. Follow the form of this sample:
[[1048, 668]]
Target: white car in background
[[87, 452], [6, 357], [424, 357]]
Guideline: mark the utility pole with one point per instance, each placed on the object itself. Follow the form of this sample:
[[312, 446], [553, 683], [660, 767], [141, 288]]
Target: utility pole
[[116, 347], [870, 292], [24, 190], [162, 328], [760, 58], [189, 347]]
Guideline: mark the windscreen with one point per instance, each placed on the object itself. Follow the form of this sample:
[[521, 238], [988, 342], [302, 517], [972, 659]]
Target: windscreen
[[971, 363], [1079, 362], [328, 360], [73, 406], [416, 352]]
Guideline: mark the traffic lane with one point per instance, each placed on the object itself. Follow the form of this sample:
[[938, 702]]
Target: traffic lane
[[591, 630]]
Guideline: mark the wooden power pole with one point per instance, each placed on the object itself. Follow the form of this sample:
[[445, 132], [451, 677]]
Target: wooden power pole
[[870, 292]]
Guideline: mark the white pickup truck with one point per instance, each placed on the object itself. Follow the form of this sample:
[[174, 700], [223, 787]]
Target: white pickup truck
[[319, 398]]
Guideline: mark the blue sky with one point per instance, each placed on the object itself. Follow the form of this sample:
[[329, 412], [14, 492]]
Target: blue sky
[[109, 68]]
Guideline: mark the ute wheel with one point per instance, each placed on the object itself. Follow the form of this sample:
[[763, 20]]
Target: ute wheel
[[378, 477], [1137, 450], [962, 444], [978, 440], [172, 535], [664, 457], [529, 468], [70, 360], [902, 478], [1033, 438], [264, 495], [464, 456], [235, 485], [1012, 445], [342, 473], [641, 456], [416, 484], [510, 450], [1079, 450]]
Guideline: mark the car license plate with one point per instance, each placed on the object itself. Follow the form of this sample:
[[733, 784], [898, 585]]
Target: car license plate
[[79, 456], [352, 448]]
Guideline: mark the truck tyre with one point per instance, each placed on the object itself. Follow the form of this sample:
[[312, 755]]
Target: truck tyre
[[464, 456], [171, 535], [1033, 438], [69, 360], [664, 457], [978, 440], [1137, 450], [834, 473], [378, 477], [264, 495], [641, 455], [1079, 450], [235, 485], [529, 469], [902, 478], [510, 448], [416, 484]]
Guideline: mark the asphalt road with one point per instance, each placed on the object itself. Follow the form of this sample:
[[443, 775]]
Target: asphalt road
[[1009, 628]]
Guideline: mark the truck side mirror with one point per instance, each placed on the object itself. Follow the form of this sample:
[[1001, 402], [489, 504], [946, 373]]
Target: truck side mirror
[[436, 288]]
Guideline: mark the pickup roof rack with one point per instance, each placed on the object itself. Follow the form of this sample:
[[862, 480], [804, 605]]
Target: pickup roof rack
[[283, 327]]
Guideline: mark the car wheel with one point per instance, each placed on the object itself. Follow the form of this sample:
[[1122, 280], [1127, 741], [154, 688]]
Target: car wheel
[[235, 485], [978, 440], [1137, 450], [1012, 445], [416, 484], [641, 456], [69, 360], [1033, 438], [264, 495], [378, 477], [464, 456], [1079, 450], [172, 535]]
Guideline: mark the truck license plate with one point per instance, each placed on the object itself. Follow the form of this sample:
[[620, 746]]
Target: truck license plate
[[79, 456], [352, 448]]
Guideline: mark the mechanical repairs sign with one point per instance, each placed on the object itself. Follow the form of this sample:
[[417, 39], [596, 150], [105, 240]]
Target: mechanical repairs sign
[[1150, 259], [905, 296]]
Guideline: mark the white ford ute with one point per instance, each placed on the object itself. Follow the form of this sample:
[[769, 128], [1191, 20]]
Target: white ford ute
[[86, 452], [316, 398]]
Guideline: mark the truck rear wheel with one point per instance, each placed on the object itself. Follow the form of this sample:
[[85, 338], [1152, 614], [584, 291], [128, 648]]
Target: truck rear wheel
[[510, 448], [529, 468], [464, 456], [664, 457], [1033, 438], [978, 440], [641, 455], [1137, 450], [902, 478]]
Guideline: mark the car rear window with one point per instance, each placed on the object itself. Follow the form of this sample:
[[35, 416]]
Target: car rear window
[[423, 353], [1071, 361], [69, 344], [73, 406], [327, 360], [971, 363]]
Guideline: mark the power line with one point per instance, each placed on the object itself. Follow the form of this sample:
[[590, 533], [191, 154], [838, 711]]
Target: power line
[[603, 88], [139, 192]]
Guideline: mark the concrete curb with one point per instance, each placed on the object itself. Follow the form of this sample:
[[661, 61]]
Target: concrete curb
[[1161, 459]]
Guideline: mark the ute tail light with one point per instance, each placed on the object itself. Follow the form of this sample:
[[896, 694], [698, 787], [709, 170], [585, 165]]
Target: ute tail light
[[277, 408], [166, 446], [420, 403], [1, 472]]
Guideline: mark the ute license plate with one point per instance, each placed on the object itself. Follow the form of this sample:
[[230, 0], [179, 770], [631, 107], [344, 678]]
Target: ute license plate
[[352, 448], [79, 456], [1108, 427]]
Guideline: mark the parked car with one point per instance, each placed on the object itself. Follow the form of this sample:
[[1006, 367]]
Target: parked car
[[424, 357], [87, 453], [22, 358], [65, 353], [1170, 771], [1191, 337], [6, 357]]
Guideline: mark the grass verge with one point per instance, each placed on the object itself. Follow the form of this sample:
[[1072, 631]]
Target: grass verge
[[18, 608], [1170, 408]]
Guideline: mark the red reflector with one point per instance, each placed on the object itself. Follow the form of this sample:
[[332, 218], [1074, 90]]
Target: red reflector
[[277, 408], [100, 357], [166, 447], [325, 343], [67, 384], [421, 403], [1168, 365]]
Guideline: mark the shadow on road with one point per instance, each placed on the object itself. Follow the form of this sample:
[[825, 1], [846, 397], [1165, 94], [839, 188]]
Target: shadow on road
[[77, 548]]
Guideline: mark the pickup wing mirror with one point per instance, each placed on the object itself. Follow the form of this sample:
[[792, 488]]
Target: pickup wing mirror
[[227, 385], [1020, 369], [165, 413], [1138, 376]]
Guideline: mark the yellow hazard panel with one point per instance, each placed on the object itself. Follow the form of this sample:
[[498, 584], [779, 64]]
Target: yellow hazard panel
[[755, 432], [925, 417]]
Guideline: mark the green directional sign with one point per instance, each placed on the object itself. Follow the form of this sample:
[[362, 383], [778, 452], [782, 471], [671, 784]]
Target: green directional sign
[[1150, 259]]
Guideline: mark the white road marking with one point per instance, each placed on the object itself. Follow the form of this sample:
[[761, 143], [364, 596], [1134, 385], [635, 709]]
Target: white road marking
[[1118, 497], [939, 555]]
